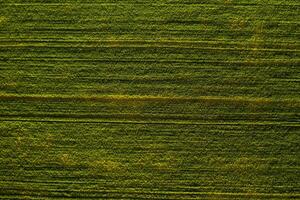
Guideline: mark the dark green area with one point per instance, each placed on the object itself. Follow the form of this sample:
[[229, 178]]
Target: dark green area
[[133, 99]]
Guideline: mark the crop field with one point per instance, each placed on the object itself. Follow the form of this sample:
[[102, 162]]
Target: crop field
[[157, 99]]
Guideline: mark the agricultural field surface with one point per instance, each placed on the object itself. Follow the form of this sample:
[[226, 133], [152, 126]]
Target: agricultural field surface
[[150, 99]]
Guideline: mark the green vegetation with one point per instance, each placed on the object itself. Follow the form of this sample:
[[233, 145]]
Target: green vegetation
[[135, 99]]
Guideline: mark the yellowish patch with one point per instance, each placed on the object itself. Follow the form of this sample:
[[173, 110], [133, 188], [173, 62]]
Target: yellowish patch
[[113, 41], [46, 142], [105, 165], [243, 165], [162, 166], [18, 142], [167, 162], [3, 19], [66, 160], [49, 140], [227, 2], [8, 85], [68, 7], [238, 24], [258, 28]]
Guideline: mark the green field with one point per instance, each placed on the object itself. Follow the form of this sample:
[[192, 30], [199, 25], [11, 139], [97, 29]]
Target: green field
[[157, 99]]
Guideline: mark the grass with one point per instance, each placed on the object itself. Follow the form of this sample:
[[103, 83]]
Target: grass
[[156, 99]]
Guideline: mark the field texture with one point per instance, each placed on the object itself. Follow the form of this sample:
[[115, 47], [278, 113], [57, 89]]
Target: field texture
[[157, 99]]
